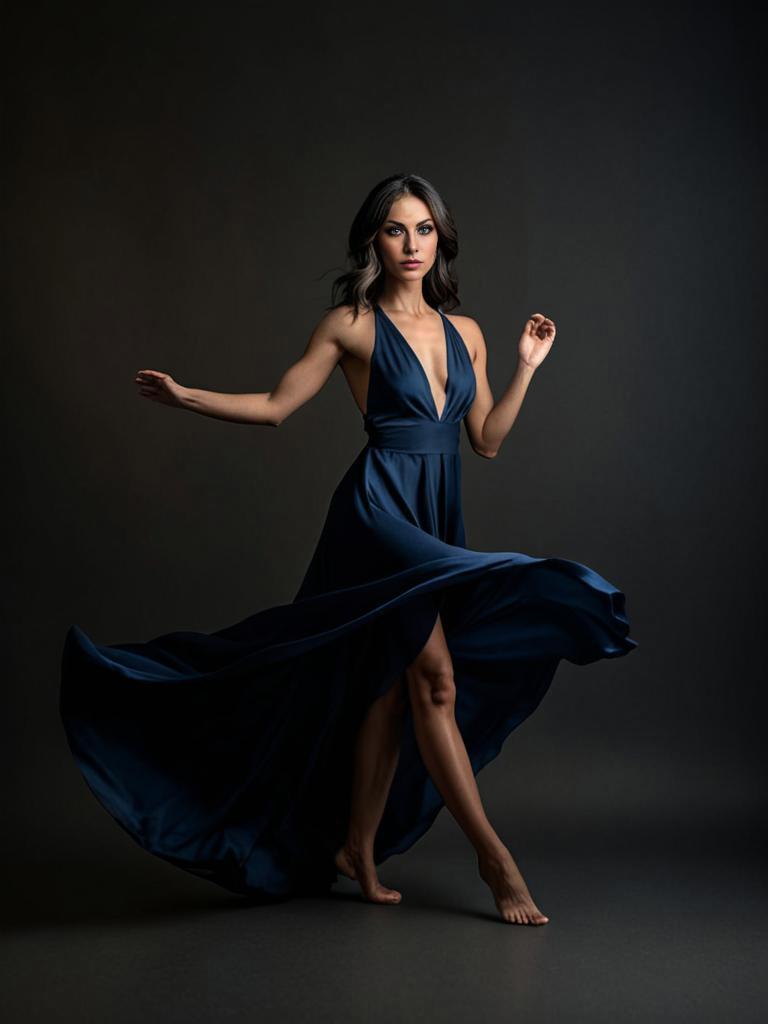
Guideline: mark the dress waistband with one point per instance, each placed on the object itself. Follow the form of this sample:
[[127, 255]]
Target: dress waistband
[[425, 436]]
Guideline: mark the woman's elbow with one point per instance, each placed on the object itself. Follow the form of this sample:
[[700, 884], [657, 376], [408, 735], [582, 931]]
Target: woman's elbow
[[485, 453]]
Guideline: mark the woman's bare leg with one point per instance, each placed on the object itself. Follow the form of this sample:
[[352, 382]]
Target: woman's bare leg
[[377, 749], [432, 693]]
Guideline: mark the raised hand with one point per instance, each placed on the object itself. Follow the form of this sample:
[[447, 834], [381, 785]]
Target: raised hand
[[160, 387], [536, 340]]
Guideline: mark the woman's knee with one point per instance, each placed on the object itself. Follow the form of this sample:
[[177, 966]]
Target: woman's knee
[[431, 684], [429, 677]]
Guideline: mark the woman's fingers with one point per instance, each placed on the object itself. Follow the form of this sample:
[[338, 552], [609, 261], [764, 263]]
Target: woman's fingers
[[151, 382]]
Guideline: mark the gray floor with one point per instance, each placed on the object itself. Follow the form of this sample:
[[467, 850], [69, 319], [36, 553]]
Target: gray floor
[[665, 925]]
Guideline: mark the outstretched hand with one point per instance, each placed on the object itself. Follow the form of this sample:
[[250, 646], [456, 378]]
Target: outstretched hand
[[536, 340], [160, 387]]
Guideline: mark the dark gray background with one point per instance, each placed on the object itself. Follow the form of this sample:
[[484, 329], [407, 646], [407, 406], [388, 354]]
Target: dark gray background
[[180, 183]]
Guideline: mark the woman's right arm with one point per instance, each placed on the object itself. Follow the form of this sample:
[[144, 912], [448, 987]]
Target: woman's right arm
[[300, 382]]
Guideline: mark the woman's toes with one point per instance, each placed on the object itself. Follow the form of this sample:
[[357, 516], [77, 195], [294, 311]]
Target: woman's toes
[[380, 894]]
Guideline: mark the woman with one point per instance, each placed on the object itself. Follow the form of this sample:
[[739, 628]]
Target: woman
[[322, 736]]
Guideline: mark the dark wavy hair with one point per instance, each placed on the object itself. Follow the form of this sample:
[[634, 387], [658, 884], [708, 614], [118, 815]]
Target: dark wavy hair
[[361, 285]]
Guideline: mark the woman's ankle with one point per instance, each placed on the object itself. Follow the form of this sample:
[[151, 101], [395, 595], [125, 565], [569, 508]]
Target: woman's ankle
[[359, 846], [493, 852]]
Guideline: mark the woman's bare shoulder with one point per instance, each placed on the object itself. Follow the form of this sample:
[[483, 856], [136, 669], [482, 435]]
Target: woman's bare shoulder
[[344, 316], [470, 332], [352, 333]]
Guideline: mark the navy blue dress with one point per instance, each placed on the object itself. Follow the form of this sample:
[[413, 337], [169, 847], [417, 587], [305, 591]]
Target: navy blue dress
[[230, 754]]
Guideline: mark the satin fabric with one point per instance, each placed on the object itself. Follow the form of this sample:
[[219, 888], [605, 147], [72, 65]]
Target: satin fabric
[[230, 754]]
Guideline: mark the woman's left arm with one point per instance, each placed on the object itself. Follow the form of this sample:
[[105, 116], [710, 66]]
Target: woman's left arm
[[489, 422]]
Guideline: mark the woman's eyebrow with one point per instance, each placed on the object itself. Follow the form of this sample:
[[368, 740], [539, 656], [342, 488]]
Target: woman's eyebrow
[[401, 225]]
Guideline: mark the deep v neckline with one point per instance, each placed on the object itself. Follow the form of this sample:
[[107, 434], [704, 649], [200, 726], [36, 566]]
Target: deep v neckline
[[409, 347]]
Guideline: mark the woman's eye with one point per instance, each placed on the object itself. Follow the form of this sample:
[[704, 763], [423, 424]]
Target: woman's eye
[[425, 228]]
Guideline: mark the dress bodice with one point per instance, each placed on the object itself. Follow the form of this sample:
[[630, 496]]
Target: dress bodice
[[401, 413]]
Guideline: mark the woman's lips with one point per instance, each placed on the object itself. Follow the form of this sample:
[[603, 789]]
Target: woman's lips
[[411, 263]]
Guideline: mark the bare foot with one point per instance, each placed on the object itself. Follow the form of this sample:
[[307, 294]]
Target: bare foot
[[353, 864], [510, 892]]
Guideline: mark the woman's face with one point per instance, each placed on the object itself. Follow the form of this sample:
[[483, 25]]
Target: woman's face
[[407, 240]]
